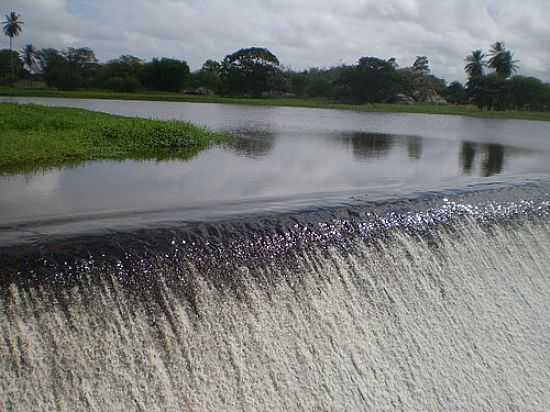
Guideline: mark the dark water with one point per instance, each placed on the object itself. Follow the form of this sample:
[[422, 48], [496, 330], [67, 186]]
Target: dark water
[[285, 159], [325, 261]]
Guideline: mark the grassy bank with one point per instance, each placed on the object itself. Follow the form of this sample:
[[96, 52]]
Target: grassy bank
[[286, 102], [35, 137]]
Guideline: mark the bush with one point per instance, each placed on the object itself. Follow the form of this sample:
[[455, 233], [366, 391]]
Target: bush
[[123, 84], [165, 74]]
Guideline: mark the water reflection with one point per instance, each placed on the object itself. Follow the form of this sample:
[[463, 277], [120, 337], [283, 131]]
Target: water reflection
[[414, 147], [367, 146], [252, 143], [467, 155], [370, 145], [43, 167], [287, 155], [491, 158]]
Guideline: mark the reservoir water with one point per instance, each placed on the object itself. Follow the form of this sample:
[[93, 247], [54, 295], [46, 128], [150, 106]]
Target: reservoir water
[[324, 260], [283, 159]]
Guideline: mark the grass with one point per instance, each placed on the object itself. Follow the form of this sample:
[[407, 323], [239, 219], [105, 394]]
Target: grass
[[286, 102], [36, 137]]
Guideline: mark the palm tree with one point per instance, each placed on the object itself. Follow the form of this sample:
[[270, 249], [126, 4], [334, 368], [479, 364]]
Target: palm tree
[[29, 54], [502, 60], [475, 64], [12, 28]]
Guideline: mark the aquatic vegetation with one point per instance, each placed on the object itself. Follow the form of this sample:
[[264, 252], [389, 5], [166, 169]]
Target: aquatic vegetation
[[35, 137]]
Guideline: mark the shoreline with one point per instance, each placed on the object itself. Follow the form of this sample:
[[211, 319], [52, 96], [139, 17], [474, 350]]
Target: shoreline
[[313, 103]]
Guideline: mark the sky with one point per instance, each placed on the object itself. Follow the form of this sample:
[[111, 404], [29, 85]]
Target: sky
[[301, 33]]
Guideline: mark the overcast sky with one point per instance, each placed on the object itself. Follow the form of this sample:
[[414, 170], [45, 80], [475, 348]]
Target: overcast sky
[[302, 33]]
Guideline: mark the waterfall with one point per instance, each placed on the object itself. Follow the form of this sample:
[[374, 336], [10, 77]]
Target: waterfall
[[441, 310]]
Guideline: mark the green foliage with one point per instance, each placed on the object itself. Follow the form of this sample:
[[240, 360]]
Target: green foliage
[[497, 91], [165, 74], [297, 82], [543, 99], [127, 84], [475, 64], [208, 77], [120, 75], [147, 135], [12, 28], [421, 65], [501, 60], [455, 93], [372, 80], [12, 25], [211, 66], [249, 71], [526, 92], [29, 58], [49, 136], [7, 59], [256, 72], [70, 69]]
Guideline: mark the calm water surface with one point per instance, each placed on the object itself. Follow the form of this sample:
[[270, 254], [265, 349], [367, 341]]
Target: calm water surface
[[284, 158]]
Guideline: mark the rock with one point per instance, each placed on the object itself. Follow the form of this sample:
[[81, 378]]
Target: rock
[[199, 91], [429, 96], [403, 99], [276, 93], [434, 98]]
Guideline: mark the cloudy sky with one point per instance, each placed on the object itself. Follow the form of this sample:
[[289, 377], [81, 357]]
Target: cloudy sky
[[302, 33]]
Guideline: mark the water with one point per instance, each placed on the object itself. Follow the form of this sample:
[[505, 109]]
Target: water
[[458, 322], [426, 294], [286, 159]]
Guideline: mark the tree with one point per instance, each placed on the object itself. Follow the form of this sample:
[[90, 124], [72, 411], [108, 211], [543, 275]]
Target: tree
[[543, 100], [421, 65], [249, 71], [297, 82], [10, 59], [211, 66], [29, 59], [455, 93], [57, 71], [475, 64], [418, 82], [12, 28], [207, 77], [43, 57], [372, 80], [525, 92], [69, 69], [493, 92], [165, 74], [83, 61], [121, 74], [475, 69], [319, 84], [501, 60]]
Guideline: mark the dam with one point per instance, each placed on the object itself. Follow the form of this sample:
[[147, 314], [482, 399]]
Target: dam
[[428, 295]]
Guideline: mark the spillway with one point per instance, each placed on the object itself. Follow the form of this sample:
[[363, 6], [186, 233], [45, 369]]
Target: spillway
[[437, 304]]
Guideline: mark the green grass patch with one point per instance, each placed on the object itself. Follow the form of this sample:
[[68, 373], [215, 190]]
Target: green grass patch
[[36, 137], [285, 102]]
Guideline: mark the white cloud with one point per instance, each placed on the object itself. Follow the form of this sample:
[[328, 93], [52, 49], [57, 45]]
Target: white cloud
[[301, 33]]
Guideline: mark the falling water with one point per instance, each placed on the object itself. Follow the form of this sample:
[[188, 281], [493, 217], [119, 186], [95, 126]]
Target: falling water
[[440, 309]]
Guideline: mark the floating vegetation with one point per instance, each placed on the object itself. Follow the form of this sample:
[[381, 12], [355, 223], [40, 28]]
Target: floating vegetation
[[35, 137]]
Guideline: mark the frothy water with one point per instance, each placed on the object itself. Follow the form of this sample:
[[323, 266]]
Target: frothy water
[[438, 309]]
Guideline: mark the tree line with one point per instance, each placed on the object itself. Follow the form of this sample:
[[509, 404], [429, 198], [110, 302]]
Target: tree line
[[254, 72]]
